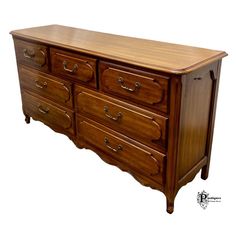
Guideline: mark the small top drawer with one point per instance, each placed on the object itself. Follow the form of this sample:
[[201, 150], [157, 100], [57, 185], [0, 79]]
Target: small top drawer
[[146, 88], [31, 54], [74, 66]]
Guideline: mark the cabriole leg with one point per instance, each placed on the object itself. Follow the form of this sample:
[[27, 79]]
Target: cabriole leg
[[27, 119], [169, 206], [205, 172]]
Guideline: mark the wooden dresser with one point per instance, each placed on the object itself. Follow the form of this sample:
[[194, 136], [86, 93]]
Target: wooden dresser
[[147, 107]]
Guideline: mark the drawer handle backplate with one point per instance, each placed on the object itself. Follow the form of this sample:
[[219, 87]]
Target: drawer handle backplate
[[107, 143], [40, 84], [115, 118], [73, 70], [29, 53], [137, 85], [43, 110]]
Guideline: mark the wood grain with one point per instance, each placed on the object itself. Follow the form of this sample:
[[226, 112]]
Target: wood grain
[[139, 124], [77, 68], [32, 54], [171, 58], [197, 92], [58, 118], [46, 85], [147, 107], [215, 76], [173, 139], [136, 156], [152, 91]]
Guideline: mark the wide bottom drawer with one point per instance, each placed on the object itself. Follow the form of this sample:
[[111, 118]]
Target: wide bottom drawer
[[135, 155], [57, 117], [139, 124]]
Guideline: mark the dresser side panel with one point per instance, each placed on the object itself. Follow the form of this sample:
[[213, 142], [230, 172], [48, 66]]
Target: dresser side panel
[[195, 119]]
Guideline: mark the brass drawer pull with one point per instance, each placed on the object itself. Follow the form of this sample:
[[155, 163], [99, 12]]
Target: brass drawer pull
[[106, 142], [73, 70], [29, 53], [137, 85], [42, 110], [115, 118], [40, 84]]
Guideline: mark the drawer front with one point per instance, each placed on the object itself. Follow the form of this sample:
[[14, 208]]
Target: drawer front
[[123, 149], [46, 85], [31, 54], [73, 66], [58, 118], [137, 123], [148, 89]]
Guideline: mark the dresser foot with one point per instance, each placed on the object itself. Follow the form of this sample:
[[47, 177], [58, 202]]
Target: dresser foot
[[205, 172], [27, 119], [169, 206]]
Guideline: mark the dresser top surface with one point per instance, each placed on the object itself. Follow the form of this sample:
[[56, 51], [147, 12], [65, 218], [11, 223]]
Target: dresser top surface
[[166, 57]]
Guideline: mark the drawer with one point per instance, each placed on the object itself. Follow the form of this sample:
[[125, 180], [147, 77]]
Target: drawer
[[133, 154], [31, 54], [142, 125], [58, 118], [142, 87], [46, 85], [74, 66]]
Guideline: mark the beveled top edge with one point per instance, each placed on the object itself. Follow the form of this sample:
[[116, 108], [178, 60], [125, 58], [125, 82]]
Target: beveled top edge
[[82, 42]]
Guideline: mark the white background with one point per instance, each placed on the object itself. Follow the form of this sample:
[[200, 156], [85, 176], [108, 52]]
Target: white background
[[49, 187]]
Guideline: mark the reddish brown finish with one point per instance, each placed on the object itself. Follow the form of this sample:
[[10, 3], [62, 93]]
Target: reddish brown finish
[[135, 155], [58, 118], [32, 54], [139, 124], [73, 66], [196, 104], [46, 85], [139, 176], [171, 167], [215, 76], [153, 90], [146, 107]]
